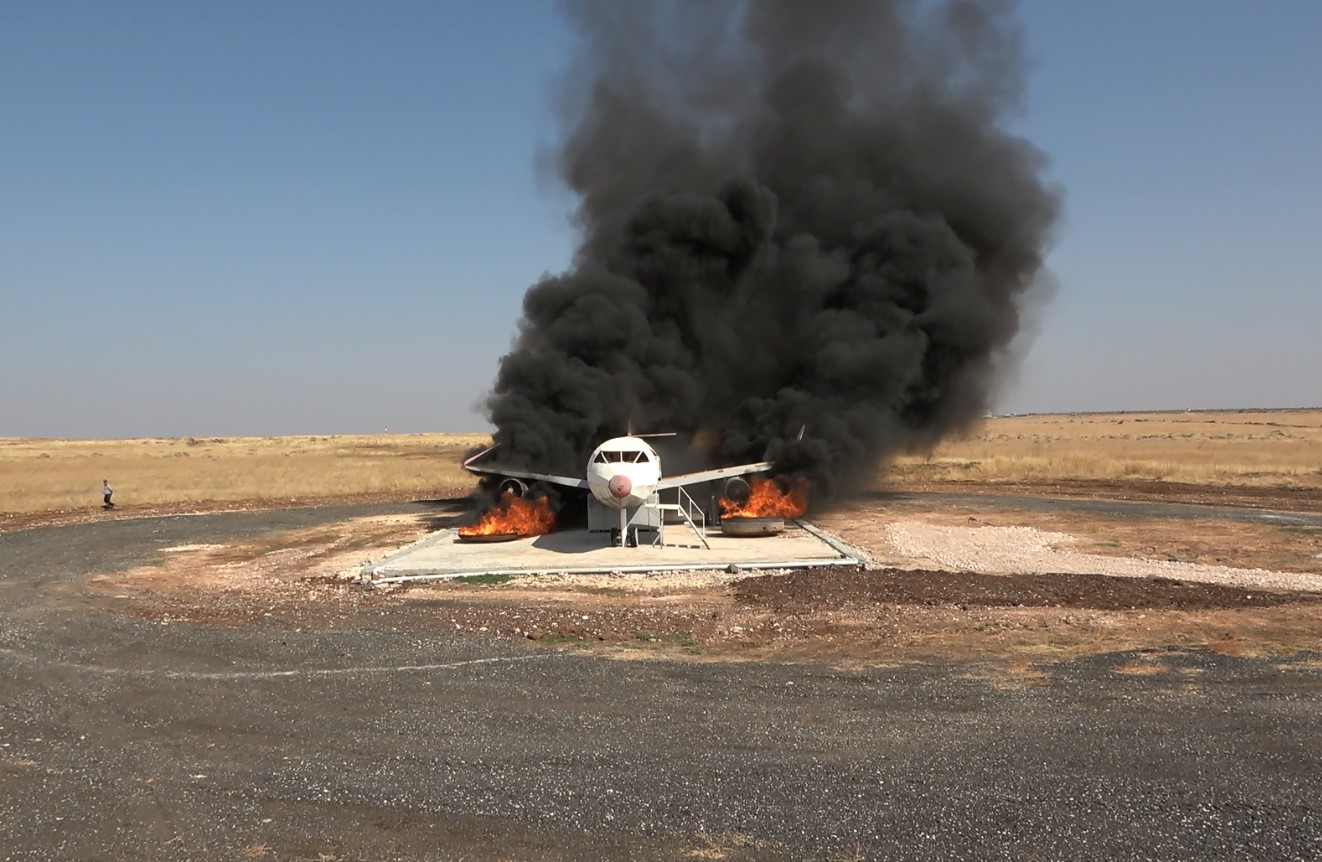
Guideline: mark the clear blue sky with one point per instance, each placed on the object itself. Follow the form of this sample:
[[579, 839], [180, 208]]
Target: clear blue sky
[[320, 217]]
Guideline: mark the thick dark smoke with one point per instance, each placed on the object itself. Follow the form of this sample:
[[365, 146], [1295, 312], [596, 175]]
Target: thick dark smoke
[[792, 213]]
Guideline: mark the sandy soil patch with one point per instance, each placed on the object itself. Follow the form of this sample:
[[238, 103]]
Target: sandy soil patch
[[1027, 550], [1224, 542], [291, 575], [1049, 601]]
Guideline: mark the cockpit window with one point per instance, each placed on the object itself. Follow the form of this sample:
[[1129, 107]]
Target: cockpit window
[[631, 457]]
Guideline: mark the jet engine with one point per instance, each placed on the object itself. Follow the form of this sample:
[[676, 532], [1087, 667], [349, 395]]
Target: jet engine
[[736, 490], [512, 486]]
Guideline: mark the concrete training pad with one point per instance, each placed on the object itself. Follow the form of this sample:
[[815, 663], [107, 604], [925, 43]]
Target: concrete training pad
[[578, 551]]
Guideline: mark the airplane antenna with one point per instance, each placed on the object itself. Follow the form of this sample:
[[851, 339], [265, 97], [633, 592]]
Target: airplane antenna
[[653, 434], [490, 448]]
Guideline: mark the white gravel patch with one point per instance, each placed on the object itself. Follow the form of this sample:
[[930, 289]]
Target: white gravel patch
[[1024, 550]]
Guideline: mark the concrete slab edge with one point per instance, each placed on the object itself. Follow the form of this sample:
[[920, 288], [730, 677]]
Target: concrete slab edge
[[425, 542], [849, 556], [606, 570], [838, 544]]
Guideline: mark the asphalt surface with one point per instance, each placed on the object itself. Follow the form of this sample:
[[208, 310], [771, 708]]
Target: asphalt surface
[[380, 738], [1099, 507]]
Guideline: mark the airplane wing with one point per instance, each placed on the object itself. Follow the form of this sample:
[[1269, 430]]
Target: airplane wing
[[709, 475], [513, 473]]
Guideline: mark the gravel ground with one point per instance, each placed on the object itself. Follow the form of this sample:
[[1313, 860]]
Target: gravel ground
[[380, 736], [1024, 550]]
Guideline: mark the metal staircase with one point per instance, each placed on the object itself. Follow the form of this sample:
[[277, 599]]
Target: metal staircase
[[690, 513]]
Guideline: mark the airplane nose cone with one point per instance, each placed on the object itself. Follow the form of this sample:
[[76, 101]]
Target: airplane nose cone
[[620, 487]]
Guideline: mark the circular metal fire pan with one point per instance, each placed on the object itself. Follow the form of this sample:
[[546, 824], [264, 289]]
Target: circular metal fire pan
[[752, 527], [487, 538]]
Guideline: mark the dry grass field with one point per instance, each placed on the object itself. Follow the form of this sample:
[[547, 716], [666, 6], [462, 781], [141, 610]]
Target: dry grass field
[[65, 475], [1262, 449], [1224, 448]]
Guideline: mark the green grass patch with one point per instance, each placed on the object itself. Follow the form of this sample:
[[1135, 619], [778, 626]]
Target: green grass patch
[[559, 639], [482, 580]]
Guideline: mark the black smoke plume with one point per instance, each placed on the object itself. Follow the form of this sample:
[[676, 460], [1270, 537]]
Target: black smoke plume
[[791, 213]]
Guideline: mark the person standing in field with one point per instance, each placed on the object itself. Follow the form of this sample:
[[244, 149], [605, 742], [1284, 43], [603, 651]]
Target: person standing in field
[[106, 491]]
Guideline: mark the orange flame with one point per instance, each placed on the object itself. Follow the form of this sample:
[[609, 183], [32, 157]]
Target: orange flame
[[514, 515], [767, 499]]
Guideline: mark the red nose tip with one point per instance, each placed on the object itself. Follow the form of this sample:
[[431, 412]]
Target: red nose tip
[[620, 486]]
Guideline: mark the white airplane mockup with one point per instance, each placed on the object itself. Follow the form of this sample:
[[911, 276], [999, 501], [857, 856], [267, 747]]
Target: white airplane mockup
[[623, 476]]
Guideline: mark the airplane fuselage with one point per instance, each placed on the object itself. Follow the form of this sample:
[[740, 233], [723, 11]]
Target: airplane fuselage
[[623, 476], [623, 472]]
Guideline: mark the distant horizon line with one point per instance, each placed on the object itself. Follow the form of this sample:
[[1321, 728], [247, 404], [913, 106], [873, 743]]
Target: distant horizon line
[[220, 438]]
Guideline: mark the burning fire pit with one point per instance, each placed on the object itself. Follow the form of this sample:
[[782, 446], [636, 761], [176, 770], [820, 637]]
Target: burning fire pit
[[486, 538], [511, 518], [752, 527], [764, 508]]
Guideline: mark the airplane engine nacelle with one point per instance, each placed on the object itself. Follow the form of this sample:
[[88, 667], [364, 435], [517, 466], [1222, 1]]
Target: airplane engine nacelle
[[736, 490], [513, 486]]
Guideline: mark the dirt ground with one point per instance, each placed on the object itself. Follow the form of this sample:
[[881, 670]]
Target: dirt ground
[[11, 521], [1278, 498], [1266, 498], [226, 687], [878, 614]]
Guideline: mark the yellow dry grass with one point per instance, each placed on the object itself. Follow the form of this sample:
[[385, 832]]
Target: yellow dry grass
[[1253, 448], [1280, 448], [57, 475]]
